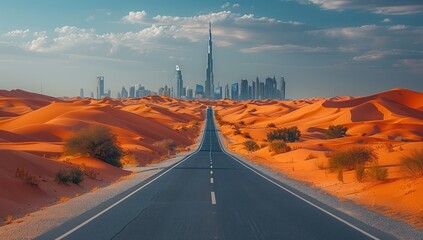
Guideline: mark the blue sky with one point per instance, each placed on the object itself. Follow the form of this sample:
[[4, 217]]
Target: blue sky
[[321, 47]]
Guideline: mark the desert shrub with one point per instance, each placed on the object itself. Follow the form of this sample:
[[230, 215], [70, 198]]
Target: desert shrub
[[377, 173], [167, 144], [246, 135], [291, 134], [278, 147], [95, 141], [310, 156], [350, 159], [320, 164], [70, 175], [412, 163], [237, 131], [359, 173], [9, 219], [389, 147], [251, 146], [336, 131], [129, 158], [91, 173], [24, 175], [271, 125], [241, 123]]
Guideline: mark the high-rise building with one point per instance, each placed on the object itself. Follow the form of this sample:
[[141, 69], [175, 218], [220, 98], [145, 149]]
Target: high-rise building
[[282, 88], [179, 82], [190, 93], [218, 93], [199, 91], [209, 85], [124, 93], [257, 93], [234, 91], [243, 95], [100, 87], [227, 93], [270, 88], [132, 92], [92, 95], [81, 92], [261, 91]]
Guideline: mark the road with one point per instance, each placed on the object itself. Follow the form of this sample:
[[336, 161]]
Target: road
[[212, 195]]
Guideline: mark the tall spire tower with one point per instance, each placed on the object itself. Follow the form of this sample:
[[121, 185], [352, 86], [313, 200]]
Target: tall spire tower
[[209, 91]]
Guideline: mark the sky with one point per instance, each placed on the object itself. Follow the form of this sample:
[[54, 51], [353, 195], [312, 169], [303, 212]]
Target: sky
[[322, 47]]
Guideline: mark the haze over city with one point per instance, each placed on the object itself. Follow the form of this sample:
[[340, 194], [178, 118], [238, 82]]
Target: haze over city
[[322, 48]]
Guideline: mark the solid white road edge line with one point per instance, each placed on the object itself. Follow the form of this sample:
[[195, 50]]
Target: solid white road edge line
[[296, 195], [213, 198], [129, 195]]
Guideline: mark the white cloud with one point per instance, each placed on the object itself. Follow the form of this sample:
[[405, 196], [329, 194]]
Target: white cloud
[[225, 5], [283, 48], [135, 17], [349, 32], [386, 7], [397, 27], [376, 55], [415, 65], [386, 20], [17, 33], [37, 45], [236, 5]]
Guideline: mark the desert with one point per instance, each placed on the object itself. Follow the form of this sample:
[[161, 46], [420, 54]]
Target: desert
[[33, 128], [390, 123]]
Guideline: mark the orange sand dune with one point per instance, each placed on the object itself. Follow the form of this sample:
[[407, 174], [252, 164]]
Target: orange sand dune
[[33, 129], [389, 122]]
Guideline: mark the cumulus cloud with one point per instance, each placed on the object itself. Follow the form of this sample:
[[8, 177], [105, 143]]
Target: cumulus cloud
[[135, 17], [17, 33], [387, 7], [229, 5], [386, 20]]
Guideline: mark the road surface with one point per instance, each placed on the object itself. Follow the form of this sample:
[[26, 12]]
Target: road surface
[[212, 195]]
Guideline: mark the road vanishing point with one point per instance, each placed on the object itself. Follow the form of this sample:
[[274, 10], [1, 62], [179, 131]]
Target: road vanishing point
[[210, 194]]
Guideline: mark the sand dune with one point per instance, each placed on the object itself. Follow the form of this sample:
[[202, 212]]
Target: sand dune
[[390, 122], [33, 129]]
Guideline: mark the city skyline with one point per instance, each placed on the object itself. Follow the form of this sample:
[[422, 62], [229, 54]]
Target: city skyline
[[322, 48]]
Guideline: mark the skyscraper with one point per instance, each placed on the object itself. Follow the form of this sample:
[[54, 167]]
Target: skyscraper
[[234, 91], [100, 87], [81, 92], [257, 93], [179, 82], [209, 85], [282, 88], [244, 90]]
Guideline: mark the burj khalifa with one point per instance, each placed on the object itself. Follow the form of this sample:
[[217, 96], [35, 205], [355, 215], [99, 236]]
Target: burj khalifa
[[209, 86]]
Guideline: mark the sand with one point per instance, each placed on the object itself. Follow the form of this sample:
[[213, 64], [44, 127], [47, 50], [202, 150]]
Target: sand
[[390, 122], [33, 129]]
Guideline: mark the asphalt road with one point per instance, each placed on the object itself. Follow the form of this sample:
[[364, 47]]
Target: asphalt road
[[211, 195]]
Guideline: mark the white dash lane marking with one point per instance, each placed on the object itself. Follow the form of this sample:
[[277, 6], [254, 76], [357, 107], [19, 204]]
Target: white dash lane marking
[[211, 180], [211, 166], [213, 198], [211, 172]]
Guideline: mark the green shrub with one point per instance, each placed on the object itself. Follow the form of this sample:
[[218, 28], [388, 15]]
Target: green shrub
[[279, 147], [70, 175], [291, 134], [95, 141], [412, 163], [271, 125], [377, 173], [336, 131], [251, 146], [351, 159]]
